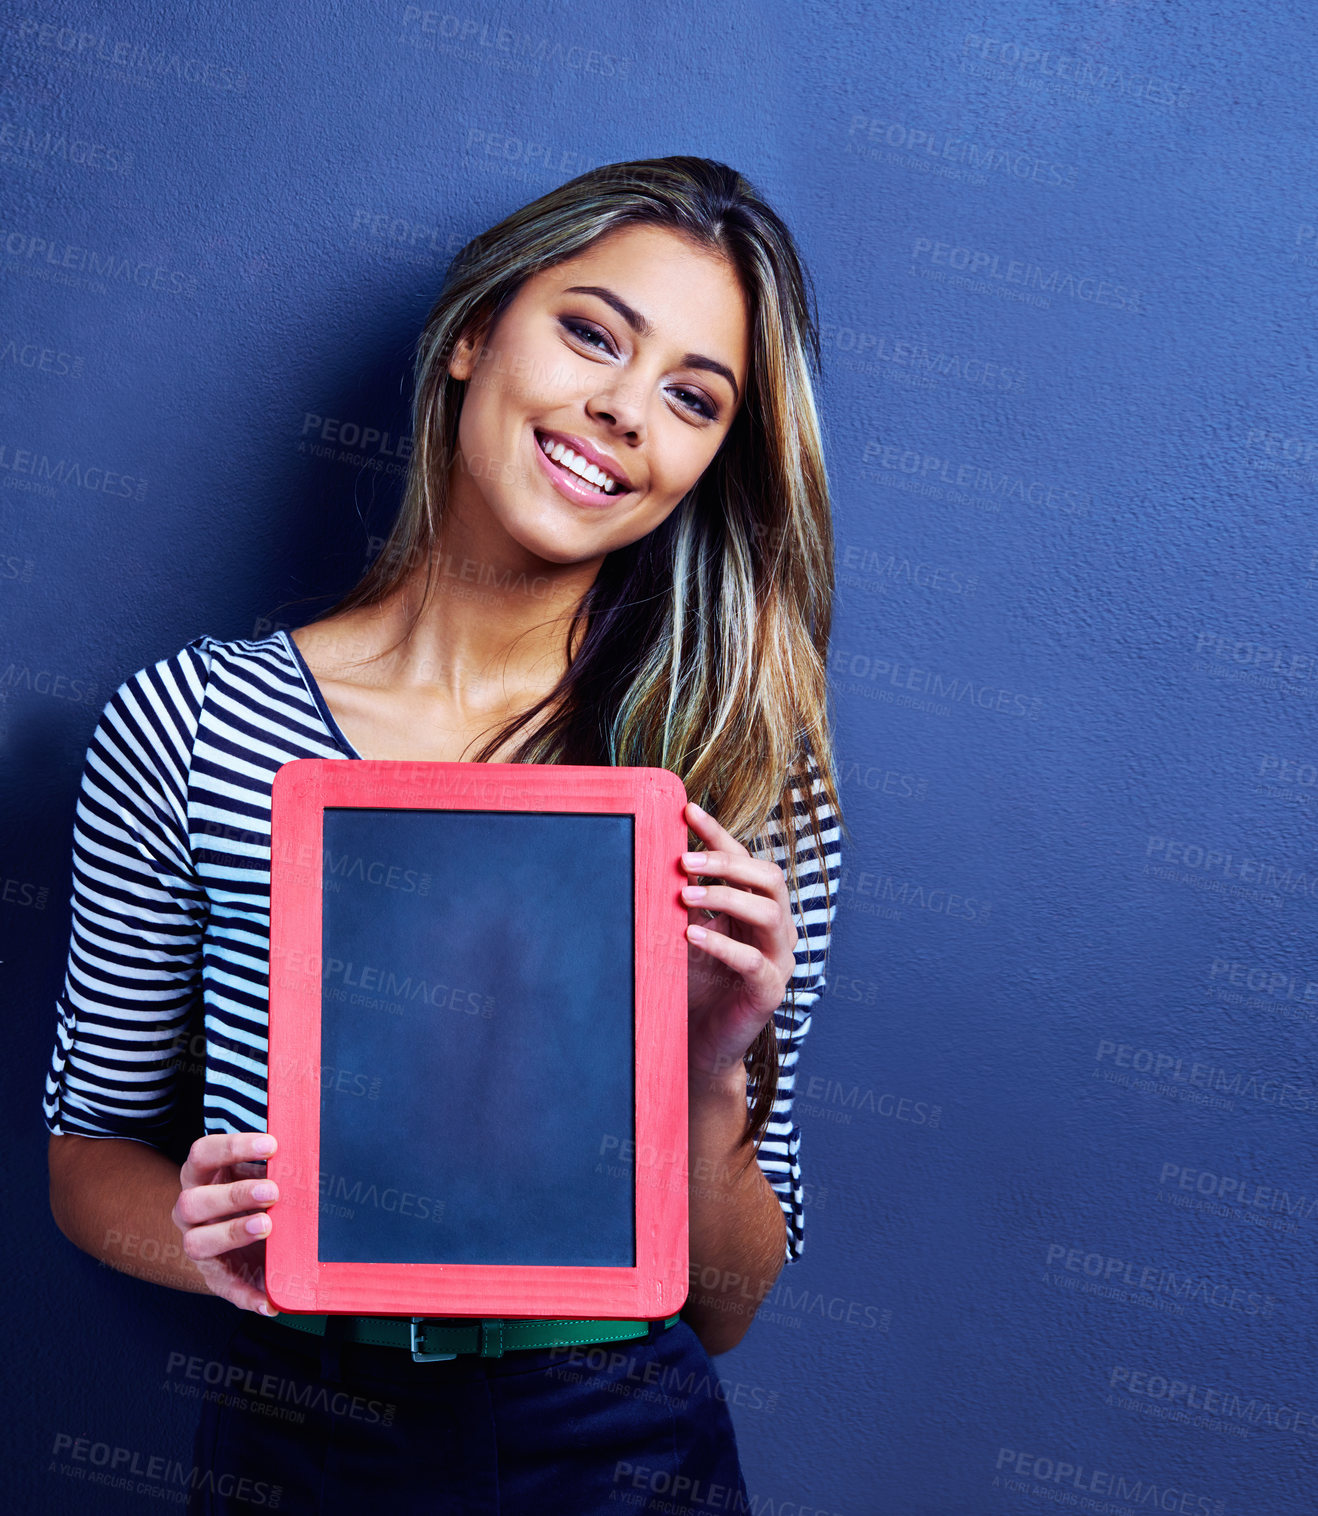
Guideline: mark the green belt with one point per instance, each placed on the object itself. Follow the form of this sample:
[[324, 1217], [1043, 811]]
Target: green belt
[[438, 1337]]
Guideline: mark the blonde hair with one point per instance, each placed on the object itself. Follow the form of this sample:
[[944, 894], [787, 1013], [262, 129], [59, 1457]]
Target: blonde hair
[[702, 647]]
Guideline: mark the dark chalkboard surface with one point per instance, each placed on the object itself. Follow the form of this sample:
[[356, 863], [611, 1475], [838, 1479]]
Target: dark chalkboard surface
[[476, 1020]]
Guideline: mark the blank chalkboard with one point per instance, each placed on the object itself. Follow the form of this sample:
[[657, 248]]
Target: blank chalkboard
[[477, 1037]]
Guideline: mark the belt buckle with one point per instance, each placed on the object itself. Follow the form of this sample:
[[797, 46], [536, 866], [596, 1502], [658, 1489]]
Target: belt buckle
[[419, 1354]]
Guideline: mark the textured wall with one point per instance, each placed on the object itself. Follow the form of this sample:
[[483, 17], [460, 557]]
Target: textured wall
[[1060, 1102]]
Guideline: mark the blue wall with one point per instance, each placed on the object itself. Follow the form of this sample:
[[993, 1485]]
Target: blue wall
[[1060, 1101]]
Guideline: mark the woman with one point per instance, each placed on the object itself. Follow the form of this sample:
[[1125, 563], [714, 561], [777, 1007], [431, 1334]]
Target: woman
[[614, 547]]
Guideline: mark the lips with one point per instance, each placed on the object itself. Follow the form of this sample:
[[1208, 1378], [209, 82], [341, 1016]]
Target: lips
[[585, 452]]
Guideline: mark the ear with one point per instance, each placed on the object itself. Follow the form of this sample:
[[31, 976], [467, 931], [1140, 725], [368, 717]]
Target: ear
[[462, 359], [466, 351]]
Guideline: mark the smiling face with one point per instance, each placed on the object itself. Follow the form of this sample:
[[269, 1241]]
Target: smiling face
[[629, 358]]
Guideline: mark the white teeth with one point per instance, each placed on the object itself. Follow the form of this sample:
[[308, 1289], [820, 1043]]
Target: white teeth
[[578, 465]]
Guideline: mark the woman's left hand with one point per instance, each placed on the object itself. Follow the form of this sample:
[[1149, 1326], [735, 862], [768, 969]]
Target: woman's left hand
[[741, 947]]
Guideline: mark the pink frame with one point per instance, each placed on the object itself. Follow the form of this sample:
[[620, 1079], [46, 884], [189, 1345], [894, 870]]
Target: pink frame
[[296, 1279]]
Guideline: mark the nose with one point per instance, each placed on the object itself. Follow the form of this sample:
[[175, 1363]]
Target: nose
[[620, 408]]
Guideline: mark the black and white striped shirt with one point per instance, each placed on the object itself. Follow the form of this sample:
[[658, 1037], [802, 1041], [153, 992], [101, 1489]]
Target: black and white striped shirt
[[171, 902]]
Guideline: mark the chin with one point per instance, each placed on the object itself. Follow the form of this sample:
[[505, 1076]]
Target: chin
[[555, 544]]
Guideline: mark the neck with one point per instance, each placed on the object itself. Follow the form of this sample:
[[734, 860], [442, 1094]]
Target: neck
[[493, 624]]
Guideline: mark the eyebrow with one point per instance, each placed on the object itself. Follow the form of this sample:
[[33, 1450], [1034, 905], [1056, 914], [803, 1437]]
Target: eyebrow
[[644, 328]]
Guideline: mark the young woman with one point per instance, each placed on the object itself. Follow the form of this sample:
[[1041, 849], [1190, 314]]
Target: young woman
[[615, 547]]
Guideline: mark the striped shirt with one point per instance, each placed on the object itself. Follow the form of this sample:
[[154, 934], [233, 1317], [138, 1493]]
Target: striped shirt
[[171, 903]]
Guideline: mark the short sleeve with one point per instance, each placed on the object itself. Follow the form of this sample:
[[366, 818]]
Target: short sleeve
[[780, 1150], [132, 984]]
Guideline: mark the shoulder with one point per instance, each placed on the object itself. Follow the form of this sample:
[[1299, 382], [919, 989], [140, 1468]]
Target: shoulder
[[157, 709], [182, 678]]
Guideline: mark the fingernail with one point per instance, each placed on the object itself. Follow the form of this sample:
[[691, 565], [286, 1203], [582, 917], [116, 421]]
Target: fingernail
[[258, 1224], [699, 810], [264, 1145], [264, 1191], [267, 1309], [695, 859]]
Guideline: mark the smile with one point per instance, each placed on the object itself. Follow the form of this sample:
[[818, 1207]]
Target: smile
[[586, 479]]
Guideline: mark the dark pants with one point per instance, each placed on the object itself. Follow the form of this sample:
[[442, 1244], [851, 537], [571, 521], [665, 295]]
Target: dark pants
[[311, 1424]]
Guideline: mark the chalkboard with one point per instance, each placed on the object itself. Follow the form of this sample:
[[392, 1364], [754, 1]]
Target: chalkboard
[[477, 1039]]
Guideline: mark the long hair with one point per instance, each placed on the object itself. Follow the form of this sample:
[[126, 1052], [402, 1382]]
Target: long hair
[[700, 648]]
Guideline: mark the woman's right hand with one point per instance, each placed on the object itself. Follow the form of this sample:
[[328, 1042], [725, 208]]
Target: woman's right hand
[[221, 1213]]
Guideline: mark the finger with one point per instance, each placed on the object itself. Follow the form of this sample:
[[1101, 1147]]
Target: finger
[[208, 1155], [709, 830], [211, 1202], [752, 873], [755, 910], [202, 1242], [246, 1297], [238, 1281], [744, 958]]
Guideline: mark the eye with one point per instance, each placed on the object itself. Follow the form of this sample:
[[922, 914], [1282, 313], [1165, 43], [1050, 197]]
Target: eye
[[583, 331], [702, 405]]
